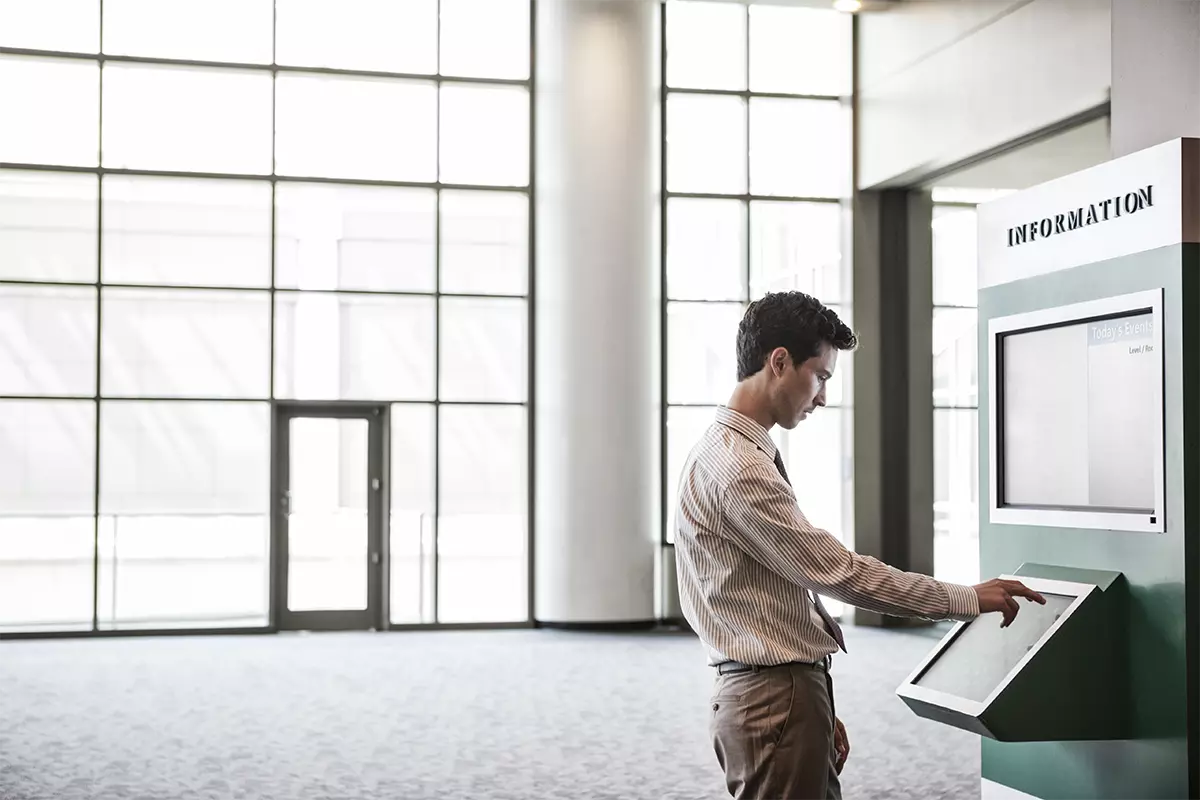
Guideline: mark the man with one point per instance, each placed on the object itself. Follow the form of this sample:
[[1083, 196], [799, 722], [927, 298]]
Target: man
[[751, 566]]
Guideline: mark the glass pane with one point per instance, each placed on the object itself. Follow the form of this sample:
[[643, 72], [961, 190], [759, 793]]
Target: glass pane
[[197, 30], [353, 347], [184, 232], [482, 528], [48, 226], [800, 50], [685, 426], [187, 119], [485, 38], [68, 25], [818, 466], [51, 111], [706, 249], [355, 237], [837, 389], [706, 45], [702, 351], [184, 504], [412, 562], [47, 493], [955, 268], [485, 242], [47, 464], [796, 246], [499, 158], [706, 144], [819, 458], [955, 357], [799, 148], [483, 349], [956, 495], [342, 127], [377, 35], [185, 343], [47, 341], [327, 514]]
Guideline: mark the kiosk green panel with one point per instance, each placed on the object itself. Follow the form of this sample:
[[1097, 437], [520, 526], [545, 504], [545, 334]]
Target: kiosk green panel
[[1089, 325]]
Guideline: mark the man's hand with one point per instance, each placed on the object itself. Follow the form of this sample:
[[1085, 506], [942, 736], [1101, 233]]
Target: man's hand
[[998, 595], [841, 745]]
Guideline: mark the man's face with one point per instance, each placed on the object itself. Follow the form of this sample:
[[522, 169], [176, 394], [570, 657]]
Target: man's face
[[800, 389]]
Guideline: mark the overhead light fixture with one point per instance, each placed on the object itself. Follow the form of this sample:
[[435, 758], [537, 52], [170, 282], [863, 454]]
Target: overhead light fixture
[[847, 6]]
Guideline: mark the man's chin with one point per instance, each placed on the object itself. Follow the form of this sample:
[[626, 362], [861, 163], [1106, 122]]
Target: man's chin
[[803, 415]]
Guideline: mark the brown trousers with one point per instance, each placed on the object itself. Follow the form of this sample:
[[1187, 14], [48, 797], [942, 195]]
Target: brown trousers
[[773, 733]]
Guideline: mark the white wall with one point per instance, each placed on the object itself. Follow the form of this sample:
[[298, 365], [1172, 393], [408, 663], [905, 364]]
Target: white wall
[[1156, 72], [942, 80]]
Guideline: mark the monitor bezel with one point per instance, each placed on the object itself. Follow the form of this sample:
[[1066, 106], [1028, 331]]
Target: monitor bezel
[[1150, 301], [974, 708]]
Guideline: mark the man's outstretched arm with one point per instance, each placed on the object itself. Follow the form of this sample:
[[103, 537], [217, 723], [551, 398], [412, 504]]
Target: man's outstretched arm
[[763, 518]]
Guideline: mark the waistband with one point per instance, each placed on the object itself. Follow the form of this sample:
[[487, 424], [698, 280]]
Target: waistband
[[737, 667]]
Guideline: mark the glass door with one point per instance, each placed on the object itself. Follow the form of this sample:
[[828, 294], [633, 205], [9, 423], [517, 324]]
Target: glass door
[[329, 515]]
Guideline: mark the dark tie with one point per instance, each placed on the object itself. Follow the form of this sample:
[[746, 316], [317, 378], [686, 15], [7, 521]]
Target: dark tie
[[830, 624]]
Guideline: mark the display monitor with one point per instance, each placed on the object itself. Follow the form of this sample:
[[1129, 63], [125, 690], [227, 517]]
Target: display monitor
[[1077, 415]]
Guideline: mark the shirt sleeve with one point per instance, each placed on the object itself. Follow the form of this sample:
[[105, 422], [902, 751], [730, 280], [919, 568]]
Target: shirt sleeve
[[762, 517]]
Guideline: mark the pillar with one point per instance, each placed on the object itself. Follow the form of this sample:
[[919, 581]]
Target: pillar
[[596, 399], [893, 384]]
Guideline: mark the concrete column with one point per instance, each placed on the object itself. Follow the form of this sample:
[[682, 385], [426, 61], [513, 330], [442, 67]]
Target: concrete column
[[1155, 72], [597, 312], [893, 384]]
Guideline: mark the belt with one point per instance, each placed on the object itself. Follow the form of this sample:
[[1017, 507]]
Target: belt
[[737, 667]]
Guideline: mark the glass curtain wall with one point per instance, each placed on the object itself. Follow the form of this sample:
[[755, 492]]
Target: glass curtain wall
[[757, 162], [955, 395], [207, 206]]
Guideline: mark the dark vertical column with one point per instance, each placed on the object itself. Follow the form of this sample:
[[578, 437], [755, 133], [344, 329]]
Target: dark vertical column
[[1155, 73], [893, 405], [919, 254]]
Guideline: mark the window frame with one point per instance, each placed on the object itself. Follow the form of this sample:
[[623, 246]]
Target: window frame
[[747, 199], [100, 58]]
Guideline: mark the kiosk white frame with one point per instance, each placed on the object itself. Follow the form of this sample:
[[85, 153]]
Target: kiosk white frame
[[1114, 520]]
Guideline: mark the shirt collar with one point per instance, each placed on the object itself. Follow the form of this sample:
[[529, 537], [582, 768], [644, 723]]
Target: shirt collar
[[747, 427]]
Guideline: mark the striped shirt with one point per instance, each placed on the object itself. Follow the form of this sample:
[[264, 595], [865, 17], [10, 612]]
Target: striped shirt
[[745, 556]]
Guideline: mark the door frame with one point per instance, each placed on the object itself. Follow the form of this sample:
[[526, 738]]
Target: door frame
[[375, 616]]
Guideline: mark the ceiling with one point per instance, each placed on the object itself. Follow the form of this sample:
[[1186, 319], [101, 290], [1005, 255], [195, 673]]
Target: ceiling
[[1044, 160]]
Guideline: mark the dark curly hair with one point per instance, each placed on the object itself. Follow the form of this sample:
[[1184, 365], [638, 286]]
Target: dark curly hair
[[794, 320]]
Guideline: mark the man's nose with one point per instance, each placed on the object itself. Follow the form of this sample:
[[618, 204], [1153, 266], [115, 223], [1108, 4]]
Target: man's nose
[[821, 397]]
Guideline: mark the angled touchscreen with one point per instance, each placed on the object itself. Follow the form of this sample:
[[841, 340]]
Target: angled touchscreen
[[984, 653]]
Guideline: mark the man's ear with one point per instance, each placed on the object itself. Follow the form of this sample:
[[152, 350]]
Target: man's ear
[[778, 361]]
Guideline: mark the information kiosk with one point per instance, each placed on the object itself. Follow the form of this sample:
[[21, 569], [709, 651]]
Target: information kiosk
[[1089, 442]]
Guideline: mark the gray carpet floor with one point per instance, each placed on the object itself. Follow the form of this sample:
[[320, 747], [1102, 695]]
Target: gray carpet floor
[[491, 715]]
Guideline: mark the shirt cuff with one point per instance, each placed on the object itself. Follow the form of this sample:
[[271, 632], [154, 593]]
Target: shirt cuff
[[963, 602]]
